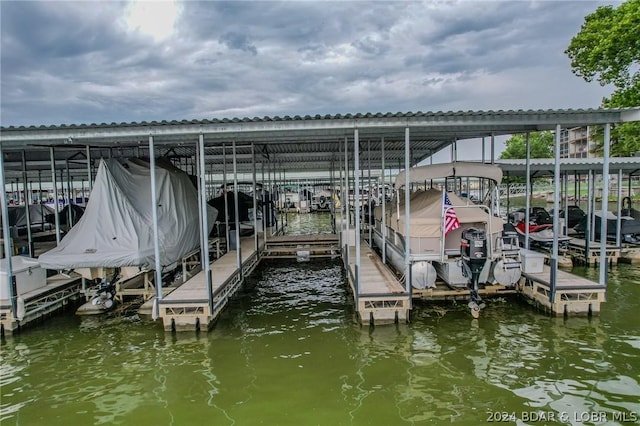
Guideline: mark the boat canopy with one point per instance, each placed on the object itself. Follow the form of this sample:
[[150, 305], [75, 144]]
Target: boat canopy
[[427, 212], [116, 229], [455, 169]]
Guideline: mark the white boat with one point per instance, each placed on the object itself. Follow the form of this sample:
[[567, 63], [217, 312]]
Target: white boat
[[321, 201], [116, 231], [295, 202], [438, 253]]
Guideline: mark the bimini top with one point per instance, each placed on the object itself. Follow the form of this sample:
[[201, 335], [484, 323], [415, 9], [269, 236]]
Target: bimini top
[[455, 169]]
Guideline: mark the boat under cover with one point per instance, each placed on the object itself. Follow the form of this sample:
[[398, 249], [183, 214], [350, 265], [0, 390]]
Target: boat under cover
[[629, 227], [116, 229]]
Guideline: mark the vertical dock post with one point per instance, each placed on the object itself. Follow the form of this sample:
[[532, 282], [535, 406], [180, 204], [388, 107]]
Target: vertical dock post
[[589, 231], [154, 216], [357, 208], [55, 192], [407, 213], [619, 209], [204, 240], [8, 250], [605, 202], [236, 211], [556, 225], [383, 225], [89, 176], [528, 191], [255, 201]]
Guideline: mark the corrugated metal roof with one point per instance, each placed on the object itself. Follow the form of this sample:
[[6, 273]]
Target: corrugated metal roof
[[545, 166], [286, 143], [356, 116]]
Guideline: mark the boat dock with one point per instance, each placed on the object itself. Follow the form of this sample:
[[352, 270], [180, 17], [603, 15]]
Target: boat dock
[[140, 283], [188, 307], [577, 249], [629, 254], [59, 291], [380, 298], [302, 247], [572, 295]]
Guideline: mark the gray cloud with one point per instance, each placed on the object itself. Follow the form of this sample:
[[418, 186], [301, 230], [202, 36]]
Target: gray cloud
[[238, 41], [79, 62]]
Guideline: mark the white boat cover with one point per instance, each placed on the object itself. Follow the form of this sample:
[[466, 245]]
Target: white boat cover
[[116, 229], [457, 169], [426, 214]]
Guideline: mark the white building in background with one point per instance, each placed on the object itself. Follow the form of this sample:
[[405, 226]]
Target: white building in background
[[576, 142]]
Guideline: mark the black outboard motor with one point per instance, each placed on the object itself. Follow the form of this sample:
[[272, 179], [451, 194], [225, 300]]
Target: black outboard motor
[[473, 247]]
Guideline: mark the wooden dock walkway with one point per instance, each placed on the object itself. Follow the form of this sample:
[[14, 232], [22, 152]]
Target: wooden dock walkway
[[59, 291], [574, 295], [302, 247], [577, 249], [188, 308], [381, 298]]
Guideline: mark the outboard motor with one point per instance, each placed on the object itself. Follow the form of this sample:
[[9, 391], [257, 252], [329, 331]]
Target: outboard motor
[[104, 295], [473, 246]]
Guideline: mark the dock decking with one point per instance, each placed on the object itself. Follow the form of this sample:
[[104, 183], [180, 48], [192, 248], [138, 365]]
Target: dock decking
[[188, 308], [573, 294], [59, 291], [301, 246], [381, 299], [577, 249]]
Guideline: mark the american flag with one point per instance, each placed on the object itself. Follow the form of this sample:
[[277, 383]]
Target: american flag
[[451, 221]]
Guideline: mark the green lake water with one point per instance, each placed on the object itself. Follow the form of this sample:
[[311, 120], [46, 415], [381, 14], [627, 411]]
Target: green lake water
[[288, 351]]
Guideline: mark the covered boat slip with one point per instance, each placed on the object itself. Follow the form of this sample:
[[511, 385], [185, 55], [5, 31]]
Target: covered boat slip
[[188, 307], [586, 172], [379, 296], [271, 150]]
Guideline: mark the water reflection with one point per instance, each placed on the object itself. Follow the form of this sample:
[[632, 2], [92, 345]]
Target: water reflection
[[288, 351], [308, 223]]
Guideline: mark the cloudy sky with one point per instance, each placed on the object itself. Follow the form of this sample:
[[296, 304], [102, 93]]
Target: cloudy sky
[[94, 62]]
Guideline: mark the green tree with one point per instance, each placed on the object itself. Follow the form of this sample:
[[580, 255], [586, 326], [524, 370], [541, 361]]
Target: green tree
[[541, 146], [607, 48]]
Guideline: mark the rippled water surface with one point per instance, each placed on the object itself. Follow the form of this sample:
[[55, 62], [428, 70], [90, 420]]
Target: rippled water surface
[[288, 351]]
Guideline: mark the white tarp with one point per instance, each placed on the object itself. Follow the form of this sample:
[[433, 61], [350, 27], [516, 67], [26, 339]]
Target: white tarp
[[117, 228]]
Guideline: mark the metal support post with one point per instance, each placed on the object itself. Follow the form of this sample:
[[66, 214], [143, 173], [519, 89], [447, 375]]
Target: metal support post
[[156, 239], [556, 211], [605, 202]]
